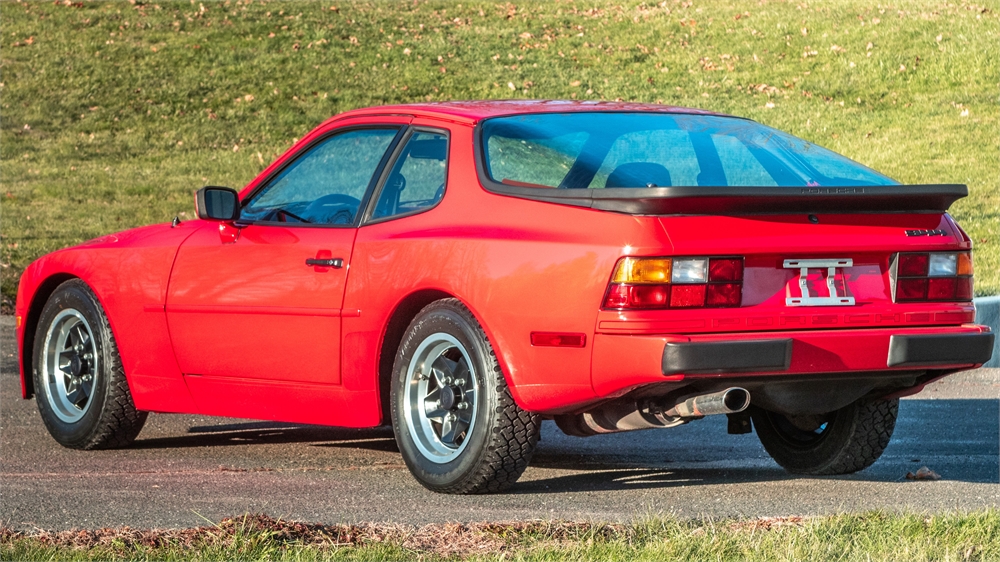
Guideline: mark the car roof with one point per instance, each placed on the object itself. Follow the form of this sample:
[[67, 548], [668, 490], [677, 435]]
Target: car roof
[[475, 111]]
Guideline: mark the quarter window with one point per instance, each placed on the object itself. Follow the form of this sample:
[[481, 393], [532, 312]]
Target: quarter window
[[417, 178], [326, 184]]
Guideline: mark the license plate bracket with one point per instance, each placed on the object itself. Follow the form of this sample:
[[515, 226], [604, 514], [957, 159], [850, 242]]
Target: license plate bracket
[[831, 266]]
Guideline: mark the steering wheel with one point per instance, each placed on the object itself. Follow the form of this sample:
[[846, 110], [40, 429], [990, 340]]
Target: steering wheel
[[335, 208]]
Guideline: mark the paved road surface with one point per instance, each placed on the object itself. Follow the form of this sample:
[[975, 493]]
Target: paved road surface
[[186, 468]]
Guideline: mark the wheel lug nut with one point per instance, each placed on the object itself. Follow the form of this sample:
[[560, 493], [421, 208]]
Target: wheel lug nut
[[462, 406], [459, 382]]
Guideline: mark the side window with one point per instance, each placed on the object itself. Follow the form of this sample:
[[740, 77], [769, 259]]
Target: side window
[[417, 178], [326, 184]]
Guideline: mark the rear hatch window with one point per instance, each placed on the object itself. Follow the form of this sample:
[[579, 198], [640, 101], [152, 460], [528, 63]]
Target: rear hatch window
[[651, 163], [648, 150]]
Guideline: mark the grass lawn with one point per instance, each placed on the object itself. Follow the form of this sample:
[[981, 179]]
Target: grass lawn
[[861, 537], [113, 113]]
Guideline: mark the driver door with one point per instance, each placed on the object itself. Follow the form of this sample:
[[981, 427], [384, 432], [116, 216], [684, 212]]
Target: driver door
[[262, 298]]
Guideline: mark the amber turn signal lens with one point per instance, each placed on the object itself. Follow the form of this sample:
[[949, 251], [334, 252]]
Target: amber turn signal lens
[[642, 270], [965, 263]]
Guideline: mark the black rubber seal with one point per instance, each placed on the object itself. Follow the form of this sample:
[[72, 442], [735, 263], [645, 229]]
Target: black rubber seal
[[940, 349], [727, 356]]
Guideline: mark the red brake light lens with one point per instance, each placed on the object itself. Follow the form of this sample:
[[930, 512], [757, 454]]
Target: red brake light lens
[[724, 294], [964, 290], [725, 270], [618, 296], [911, 290], [650, 296], [941, 289], [686, 296], [912, 265]]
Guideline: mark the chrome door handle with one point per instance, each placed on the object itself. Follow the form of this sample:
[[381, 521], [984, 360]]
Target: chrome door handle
[[335, 263]]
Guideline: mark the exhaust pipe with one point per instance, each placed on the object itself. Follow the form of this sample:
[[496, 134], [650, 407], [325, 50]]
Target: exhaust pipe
[[619, 416], [729, 401]]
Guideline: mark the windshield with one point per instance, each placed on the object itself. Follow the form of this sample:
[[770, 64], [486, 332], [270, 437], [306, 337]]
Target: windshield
[[598, 150]]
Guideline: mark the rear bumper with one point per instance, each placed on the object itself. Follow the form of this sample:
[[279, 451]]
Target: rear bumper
[[939, 349], [625, 362], [727, 356]]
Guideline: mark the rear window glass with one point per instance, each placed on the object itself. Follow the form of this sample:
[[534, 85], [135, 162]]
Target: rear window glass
[[604, 149]]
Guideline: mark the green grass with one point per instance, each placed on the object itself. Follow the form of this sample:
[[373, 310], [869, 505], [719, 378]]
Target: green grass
[[113, 112], [867, 536]]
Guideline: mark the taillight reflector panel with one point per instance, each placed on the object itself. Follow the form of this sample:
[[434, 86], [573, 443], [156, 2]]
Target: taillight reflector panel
[[658, 283], [932, 277]]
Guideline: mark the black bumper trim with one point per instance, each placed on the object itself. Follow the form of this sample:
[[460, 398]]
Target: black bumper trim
[[727, 356], [940, 349]]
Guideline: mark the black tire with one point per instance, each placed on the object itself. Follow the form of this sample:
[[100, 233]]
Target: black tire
[[852, 438], [104, 418], [491, 454]]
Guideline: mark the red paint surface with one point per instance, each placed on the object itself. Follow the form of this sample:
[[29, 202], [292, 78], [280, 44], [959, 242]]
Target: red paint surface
[[232, 322]]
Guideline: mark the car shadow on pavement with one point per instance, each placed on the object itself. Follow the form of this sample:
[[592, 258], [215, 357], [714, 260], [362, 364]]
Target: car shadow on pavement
[[269, 433], [624, 478]]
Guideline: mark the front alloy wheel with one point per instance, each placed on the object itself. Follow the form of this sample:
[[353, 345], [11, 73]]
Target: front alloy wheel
[[70, 365], [82, 393]]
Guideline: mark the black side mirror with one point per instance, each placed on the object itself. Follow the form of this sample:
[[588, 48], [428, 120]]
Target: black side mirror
[[215, 203]]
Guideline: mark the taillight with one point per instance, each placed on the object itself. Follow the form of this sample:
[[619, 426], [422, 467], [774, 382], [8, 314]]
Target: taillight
[[932, 276], [657, 283]]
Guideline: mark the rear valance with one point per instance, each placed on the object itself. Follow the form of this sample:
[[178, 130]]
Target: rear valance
[[708, 200]]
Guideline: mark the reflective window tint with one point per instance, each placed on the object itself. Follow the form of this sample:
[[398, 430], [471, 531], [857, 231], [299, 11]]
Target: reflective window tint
[[621, 149], [540, 161], [326, 184], [417, 178]]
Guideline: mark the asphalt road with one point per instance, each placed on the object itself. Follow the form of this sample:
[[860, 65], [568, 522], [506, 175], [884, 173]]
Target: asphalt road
[[185, 469]]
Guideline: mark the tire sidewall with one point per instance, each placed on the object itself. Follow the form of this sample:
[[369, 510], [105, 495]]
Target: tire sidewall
[[448, 319], [812, 457], [73, 295], [846, 446]]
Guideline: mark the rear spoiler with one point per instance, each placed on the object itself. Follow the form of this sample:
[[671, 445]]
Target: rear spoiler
[[715, 200]]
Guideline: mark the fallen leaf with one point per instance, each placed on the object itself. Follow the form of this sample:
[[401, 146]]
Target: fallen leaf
[[923, 473]]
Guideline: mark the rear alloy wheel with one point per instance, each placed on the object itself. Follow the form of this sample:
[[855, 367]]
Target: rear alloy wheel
[[840, 442], [82, 394], [456, 424]]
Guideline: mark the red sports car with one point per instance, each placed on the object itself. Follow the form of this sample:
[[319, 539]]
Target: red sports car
[[465, 270]]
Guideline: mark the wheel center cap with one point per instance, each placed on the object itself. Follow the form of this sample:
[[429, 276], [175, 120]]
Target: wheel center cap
[[448, 397], [75, 365]]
